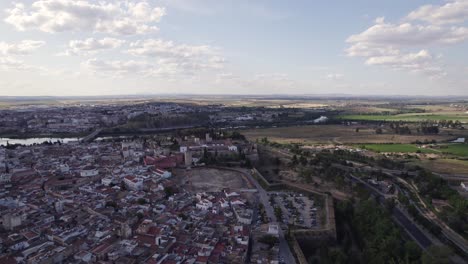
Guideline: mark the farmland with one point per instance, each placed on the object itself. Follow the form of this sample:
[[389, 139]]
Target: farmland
[[413, 117], [460, 150], [340, 134], [400, 148], [445, 166], [455, 149]]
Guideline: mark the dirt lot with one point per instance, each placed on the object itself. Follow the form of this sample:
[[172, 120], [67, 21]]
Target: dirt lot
[[446, 166], [209, 179], [339, 134]]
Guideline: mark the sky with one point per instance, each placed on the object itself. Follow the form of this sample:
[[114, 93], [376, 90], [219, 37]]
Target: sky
[[262, 47]]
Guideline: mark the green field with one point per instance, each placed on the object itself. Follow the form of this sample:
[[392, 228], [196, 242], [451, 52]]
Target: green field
[[456, 149], [402, 148], [460, 150], [408, 117]]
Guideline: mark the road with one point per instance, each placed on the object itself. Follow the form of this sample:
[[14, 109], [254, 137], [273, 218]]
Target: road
[[452, 177], [91, 136], [284, 250], [402, 219], [425, 211], [451, 235], [375, 190], [448, 232], [412, 229]]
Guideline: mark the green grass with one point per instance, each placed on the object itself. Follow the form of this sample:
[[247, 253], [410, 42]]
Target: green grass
[[456, 149], [402, 148], [407, 117], [460, 150]]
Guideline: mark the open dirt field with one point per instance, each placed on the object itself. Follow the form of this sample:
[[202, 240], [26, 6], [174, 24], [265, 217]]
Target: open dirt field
[[337, 134], [412, 117], [446, 166], [209, 179]]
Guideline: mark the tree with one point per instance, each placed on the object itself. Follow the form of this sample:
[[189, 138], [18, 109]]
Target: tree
[[278, 213], [294, 160], [307, 175], [303, 160], [389, 205], [111, 204], [140, 215], [169, 191], [380, 238], [338, 256], [403, 199], [277, 161], [413, 251], [437, 255], [141, 201], [205, 154], [269, 240]]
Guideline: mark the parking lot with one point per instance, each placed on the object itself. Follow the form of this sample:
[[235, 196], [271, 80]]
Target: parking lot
[[296, 209]]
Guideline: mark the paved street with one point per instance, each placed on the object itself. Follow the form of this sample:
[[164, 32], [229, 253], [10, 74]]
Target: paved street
[[404, 221], [284, 250], [412, 229]]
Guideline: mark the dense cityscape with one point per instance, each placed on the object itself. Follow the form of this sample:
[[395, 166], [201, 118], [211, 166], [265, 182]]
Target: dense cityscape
[[233, 132], [184, 183]]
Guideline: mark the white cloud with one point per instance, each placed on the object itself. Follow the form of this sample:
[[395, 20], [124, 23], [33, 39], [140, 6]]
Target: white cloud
[[117, 68], [271, 77], [422, 56], [230, 76], [226, 76], [22, 48], [143, 11], [410, 59], [317, 68], [181, 58], [407, 34], [450, 13], [11, 64], [183, 66], [380, 20], [403, 46], [164, 67], [420, 62], [334, 76], [114, 17], [158, 47], [379, 54], [92, 45], [363, 49]]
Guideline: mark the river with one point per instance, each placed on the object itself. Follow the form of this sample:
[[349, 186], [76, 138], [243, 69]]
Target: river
[[31, 141]]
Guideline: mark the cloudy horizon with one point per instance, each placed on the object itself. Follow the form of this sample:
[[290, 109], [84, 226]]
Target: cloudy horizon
[[88, 47]]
